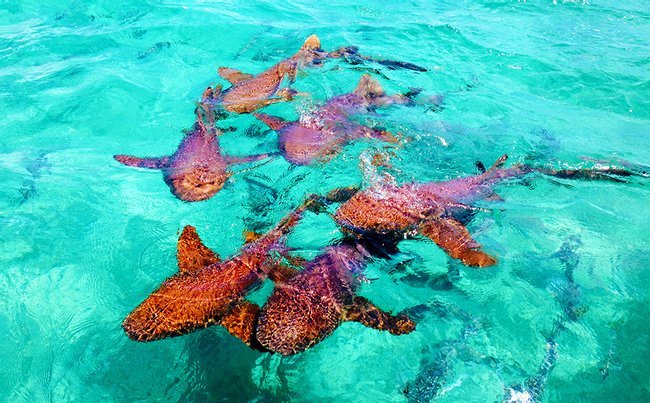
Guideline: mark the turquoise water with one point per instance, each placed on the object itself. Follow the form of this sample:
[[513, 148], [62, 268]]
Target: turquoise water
[[84, 239]]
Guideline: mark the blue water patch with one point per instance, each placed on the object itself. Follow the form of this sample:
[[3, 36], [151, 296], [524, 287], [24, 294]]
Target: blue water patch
[[561, 317]]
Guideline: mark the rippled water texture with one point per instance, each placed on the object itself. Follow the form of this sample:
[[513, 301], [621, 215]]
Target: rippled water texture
[[84, 239]]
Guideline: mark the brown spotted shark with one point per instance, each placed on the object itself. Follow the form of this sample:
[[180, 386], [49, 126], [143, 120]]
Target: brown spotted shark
[[307, 305], [207, 290], [250, 92], [307, 308], [434, 209], [321, 134], [197, 170]]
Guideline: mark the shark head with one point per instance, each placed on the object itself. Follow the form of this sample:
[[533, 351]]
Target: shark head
[[310, 54], [197, 183], [371, 94]]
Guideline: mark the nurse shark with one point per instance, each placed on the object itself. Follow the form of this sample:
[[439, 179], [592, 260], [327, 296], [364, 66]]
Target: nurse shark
[[322, 133], [307, 305], [307, 308], [435, 209], [197, 170], [249, 92]]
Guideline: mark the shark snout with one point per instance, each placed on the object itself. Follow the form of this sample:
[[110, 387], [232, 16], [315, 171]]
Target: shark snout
[[196, 185]]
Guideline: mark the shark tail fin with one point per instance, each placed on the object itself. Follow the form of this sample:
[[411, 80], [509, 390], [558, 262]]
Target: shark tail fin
[[368, 87], [494, 169], [499, 163]]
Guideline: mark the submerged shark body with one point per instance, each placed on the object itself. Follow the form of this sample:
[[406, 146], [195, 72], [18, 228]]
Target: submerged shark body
[[436, 368], [206, 290], [321, 134], [197, 170], [568, 297], [533, 389]]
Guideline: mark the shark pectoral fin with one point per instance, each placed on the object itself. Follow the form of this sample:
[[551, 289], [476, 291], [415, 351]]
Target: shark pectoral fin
[[241, 322], [287, 94], [454, 239], [282, 273], [364, 131], [273, 122], [368, 314], [232, 75], [192, 254], [149, 163]]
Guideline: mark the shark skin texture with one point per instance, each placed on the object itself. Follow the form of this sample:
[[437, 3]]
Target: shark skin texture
[[321, 134], [197, 170], [307, 305], [433, 209], [248, 92], [307, 308], [207, 290]]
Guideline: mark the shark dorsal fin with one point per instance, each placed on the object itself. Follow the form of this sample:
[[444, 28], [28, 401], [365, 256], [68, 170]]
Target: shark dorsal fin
[[273, 122], [368, 87], [311, 43], [232, 75], [192, 254], [251, 236]]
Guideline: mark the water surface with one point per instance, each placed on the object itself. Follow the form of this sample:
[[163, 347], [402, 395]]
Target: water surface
[[84, 239]]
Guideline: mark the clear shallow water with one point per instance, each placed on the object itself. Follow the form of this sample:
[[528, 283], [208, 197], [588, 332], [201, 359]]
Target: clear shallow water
[[85, 239]]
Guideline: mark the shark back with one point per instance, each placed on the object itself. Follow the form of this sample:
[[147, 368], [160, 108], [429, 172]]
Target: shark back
[[310, 306]]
